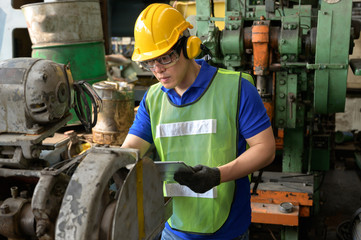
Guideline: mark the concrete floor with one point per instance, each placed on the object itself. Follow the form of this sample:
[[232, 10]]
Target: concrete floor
[[340, 195], [340, 198]]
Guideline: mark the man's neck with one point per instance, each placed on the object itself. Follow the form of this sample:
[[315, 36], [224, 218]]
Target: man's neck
[[190, 77]]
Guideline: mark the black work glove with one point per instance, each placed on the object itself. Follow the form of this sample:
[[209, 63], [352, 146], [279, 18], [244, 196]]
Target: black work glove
[[200, 180]]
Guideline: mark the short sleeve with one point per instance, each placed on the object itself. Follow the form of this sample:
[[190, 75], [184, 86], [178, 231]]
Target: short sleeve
[[141, 126], [253, 117]]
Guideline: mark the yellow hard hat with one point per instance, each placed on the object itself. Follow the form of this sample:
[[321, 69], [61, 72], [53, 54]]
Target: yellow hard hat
[[157, 30]]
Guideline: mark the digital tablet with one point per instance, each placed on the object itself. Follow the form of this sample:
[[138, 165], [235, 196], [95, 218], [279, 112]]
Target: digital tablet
[[168, 168]]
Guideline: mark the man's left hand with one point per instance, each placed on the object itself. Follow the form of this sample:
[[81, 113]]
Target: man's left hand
[[200, 180]]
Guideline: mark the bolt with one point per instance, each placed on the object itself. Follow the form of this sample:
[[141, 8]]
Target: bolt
[[281, 121], [14, 192], [4, 209], [35, 153], [291, 26], [282, 82], [282, 95], [282, 108]]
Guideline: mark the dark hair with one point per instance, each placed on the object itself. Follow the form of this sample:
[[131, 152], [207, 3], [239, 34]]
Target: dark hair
[[179, 44]]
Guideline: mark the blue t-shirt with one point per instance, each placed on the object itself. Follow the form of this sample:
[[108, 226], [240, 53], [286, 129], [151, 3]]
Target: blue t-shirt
[[252, 118]]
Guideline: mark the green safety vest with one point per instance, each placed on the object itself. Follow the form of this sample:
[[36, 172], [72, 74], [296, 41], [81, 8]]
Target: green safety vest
[[203, 132]]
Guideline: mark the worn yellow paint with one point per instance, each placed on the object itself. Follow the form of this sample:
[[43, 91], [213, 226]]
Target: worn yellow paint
[[139, 173]]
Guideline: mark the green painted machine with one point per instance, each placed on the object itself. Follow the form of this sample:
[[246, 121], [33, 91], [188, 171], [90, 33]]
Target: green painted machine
[[298, 53]]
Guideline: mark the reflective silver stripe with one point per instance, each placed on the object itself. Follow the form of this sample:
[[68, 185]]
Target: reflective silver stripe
[[177, 190], [205, 126]]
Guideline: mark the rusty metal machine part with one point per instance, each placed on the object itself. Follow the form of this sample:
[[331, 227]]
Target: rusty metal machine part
[[46, 201], [16, 218], [82, 197], [147, 201], [48, 26], [110, 187], [35, 98], [20, 150], [44, 87], [117, 113], [102, 194]]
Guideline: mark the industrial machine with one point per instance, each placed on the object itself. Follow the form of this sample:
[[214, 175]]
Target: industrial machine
[[298, 52], [100, 193], [103, 193]]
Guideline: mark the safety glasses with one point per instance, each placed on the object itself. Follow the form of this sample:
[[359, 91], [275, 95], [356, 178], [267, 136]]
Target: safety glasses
[[167, 60]]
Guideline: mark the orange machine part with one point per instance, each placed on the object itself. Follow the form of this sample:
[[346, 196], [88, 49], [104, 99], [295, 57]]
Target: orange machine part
[[279, 139], [260, 40], [269, 109], [270, 214], [266, 207]]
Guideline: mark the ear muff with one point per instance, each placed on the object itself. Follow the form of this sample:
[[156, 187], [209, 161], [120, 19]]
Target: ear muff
[[192, 47]]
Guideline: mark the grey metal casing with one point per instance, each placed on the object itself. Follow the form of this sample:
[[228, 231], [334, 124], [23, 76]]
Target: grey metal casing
[[33, 93]]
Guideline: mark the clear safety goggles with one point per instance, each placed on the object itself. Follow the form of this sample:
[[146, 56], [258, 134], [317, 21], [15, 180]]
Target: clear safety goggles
[[167, 60]]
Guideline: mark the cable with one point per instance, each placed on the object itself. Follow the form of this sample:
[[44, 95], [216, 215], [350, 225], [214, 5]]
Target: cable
[[212, 8], [87, 118], [207, 53]]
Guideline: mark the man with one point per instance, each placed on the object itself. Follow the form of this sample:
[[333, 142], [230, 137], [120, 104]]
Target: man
[[203, 116]]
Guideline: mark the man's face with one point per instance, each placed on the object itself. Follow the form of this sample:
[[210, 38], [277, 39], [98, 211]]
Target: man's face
[[172, 75]]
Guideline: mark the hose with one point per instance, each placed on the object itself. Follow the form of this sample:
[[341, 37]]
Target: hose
[[87, 118]]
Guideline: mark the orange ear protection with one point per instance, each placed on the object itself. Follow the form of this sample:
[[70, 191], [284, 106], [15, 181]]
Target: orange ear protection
[[191, 47]]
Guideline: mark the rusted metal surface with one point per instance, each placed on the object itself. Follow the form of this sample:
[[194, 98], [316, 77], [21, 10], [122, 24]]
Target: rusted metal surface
[[87, 194], [87, 207], [91, 211], [277, 197], [46, 202], [117, 113], [279, 139], [268, 213], [269, 108], [277, 188], [25, 147], [32, 92], [62, 22], [16, 218], [261, 53], [129, 222]]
